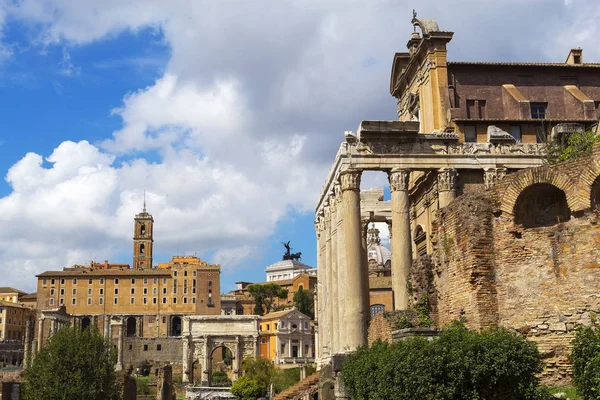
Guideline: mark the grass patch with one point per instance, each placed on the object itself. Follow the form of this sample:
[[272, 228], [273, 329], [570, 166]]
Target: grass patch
[[570, 391]]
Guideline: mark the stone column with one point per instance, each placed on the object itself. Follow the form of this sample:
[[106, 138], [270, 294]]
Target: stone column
[[205, 362], [339, 307], [365, 270], [446, 185], [400, 236], [186, 360], [493, 175], [319, 320], [277, 349], [355, 316], [27, 347], [52, 326], [107, 326], [301, 348], [40, 333], [119, 365], [329, 301], [289, 350], [236, 360], [335, 321]]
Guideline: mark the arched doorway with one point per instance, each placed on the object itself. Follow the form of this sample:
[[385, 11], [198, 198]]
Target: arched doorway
[[595, 195], [541, 204], [176, 326], [85, 323], [220, 372], [131, 327]]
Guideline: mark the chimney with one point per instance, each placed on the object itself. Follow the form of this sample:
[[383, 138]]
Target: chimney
[[575, 57], [106, 264]]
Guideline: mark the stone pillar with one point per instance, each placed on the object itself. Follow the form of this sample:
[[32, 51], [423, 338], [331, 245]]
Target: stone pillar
[[236, 359], [446, 185], [301, 348], [317, 296], [278, 354], [339, 307], [365, 270], [493, 175], [355, 315], [334, 318], [205, 362], [40, 333], [186, 360], [119, 365], [27, 347], [107, 326], [400, 236], [52, 326], [329, 280]]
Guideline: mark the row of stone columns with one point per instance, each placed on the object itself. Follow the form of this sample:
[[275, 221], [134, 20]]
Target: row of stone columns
[[343, 306]]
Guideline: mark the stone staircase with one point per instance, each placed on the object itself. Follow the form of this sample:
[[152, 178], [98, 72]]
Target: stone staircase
[[307, 386]]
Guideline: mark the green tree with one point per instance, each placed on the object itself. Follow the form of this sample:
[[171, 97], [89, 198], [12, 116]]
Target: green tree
[[585, 358], [264, 295], [304, 301], [578, 144], [246, 388], [259, 369], [74, 364], [460, 365]]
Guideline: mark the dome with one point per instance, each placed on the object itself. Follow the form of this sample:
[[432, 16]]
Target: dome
[[378, 256]]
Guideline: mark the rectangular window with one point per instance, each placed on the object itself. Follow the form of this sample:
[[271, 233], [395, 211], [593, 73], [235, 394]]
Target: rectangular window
[[52, 281], [155, 281], [185, 300], [193, 282], [116, 290], [174, 289], [538, 110], [52, 292], [62, 281], [89, 281], [51, 303], [193, 300], [133, 281], [145, 300], [145, 281], [184, 290], [89, 291], [116, 281], [194, 290], [102, 281], [164, 300], [164, 290], [174, 273], [62, 302], [164, 320], [145, 290], [116, 300], [158, 347], [132, 301], [174, 300], [515, 132], [154, 300], [184, 273], [62, 292], [164, 281], [89, 301], [154, 290], [185, 283], [44, 282], [132, 290], [73, 300], [74, 292], [193, 273], [470, 133], [101, 301], [145, 347], [101, 291], [74, 281]]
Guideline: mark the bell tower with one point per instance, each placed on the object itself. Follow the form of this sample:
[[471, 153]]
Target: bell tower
[[143, 239]]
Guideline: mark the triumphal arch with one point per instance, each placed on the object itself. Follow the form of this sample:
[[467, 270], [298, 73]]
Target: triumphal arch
[[203, 335]]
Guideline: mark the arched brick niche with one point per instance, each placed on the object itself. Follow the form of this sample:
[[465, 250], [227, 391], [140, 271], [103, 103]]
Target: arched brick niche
[[541, 204]]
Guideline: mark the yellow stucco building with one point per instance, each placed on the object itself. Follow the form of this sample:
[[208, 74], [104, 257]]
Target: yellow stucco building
[[286, 337]]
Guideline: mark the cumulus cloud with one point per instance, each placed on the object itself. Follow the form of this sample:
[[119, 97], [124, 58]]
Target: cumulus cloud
[[245, 120]]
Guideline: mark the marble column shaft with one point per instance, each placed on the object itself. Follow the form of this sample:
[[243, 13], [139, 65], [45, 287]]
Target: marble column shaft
[[40, 333], [335, 294], [355, 317], [400, 237], [186, 360], [119, 365], [328, 281], [319, 328], [341, 276]]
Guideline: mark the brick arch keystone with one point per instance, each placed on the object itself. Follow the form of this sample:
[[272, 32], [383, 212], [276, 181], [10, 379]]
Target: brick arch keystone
[[547, 175]]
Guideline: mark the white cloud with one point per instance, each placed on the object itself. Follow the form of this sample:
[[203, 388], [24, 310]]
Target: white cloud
[[245, 119]]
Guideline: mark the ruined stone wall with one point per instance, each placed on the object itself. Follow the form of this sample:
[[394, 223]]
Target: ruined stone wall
[[542, 280], [154, 350]]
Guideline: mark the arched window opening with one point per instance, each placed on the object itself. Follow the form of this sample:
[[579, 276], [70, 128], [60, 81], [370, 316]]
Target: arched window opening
[[420, 241], [540, 205], [595, 195], [142, 249], [143, 229], [300, 287], [176, 326], [376, 309], [85, 323], [239, 309], [131, 327]]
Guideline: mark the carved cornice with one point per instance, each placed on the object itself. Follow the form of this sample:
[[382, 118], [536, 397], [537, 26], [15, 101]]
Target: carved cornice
[[350, 179], [398, 178], [493, 175], [447, 179]]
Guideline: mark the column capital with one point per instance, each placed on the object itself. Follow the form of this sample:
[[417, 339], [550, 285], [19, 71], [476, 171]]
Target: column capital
[[350, 179], [493, 175], [446, 179], [337, 191], [398, 178]]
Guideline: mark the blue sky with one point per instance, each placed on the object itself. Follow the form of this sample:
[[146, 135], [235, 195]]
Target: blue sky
[[228, 114]]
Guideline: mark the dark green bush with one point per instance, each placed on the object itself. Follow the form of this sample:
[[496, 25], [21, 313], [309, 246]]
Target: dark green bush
[[585, 358], [461, 364], [220, 378]]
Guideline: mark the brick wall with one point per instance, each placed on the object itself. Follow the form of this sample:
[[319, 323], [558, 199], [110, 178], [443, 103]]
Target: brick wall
[[140, 349], [542, 281]]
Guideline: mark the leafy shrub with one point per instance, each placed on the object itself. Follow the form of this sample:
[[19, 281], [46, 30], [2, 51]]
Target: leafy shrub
[[461, 364], [576, 145], [585, 358], [220, 378], [246, 388]]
